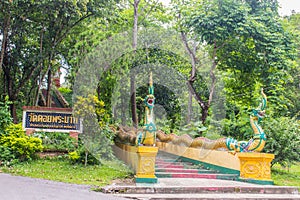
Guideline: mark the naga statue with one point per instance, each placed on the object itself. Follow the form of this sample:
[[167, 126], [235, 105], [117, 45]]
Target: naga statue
[[256, 143], [148, 135]]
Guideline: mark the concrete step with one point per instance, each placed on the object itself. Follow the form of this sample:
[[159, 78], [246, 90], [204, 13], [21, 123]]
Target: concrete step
[[201, 189], [184, 164], [184, 170], [167, 160], [162, 162], [190, 189], [170, 165], [196, 175], [210, 196]]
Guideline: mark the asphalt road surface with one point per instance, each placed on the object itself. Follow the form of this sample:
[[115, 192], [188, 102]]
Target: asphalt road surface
[[24, 188]]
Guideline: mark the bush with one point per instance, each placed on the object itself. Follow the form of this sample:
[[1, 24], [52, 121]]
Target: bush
[[283, 139], [83, 156], [15, 142], [7, 158], [56, 141]]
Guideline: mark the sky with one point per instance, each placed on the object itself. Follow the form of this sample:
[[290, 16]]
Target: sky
[[286, 7]]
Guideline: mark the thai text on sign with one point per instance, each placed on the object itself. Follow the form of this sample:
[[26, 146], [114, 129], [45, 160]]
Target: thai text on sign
[[50, 121]]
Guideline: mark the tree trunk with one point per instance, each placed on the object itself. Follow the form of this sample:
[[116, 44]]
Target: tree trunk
[[135, 23], [199, 100], [41, 68], [49, 85], [124, 104], [13, 111], [204, 114], [6, 25], [86, 157], [132, 77], [192, 53], [133, 101], [190, 108], [12, 95]]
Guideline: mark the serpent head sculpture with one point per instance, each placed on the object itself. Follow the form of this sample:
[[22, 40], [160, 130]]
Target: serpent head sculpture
[[257, 142], [148, 136]]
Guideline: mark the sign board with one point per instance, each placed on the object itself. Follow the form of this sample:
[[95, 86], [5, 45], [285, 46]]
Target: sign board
[[50, 120]]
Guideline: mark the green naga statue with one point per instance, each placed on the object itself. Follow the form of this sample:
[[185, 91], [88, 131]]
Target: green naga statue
[[147, 137], [258, 141]]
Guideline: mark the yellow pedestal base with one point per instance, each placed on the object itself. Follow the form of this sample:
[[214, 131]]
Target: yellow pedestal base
[[141, 159], [255, 166], [145, 171]]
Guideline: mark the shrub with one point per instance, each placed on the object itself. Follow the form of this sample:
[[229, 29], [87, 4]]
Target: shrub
[[18, 144], [283, 139], [83, 156], [7, 158], [57, 141]]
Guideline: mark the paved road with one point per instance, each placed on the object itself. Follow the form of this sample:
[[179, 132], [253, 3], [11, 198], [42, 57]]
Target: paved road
[[24, 188]]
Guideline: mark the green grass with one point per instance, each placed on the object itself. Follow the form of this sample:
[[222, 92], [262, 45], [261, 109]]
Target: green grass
[[286, 177], [61, 170], [101, 175]]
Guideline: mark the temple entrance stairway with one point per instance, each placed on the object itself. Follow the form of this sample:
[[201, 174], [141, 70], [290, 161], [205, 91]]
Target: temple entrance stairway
[[171, 166], [178, 179]]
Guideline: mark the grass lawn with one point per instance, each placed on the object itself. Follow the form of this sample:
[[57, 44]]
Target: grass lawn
[[62, 170], [101, 175], [286, 177]]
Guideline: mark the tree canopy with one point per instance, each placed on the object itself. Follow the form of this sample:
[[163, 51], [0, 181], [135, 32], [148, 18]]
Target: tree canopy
[[218, 53]]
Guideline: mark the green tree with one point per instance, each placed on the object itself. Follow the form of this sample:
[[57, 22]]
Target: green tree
[[248, 43], [33, 34], [291, 24]]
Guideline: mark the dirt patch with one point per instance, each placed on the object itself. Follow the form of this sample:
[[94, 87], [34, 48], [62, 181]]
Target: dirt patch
[[50, 154], [121, 182]]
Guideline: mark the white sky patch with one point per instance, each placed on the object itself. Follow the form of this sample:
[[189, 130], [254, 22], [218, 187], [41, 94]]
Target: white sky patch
[[286, 7]]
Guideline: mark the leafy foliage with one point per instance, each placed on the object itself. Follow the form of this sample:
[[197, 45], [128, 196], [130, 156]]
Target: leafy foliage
[[283, 140], [94, 137], [252, 46], [55, 141], [82, 156], [5, 118], [67, 94], [37, 33], [7, 157], [194, 129], [18, 144], [237, 124]]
